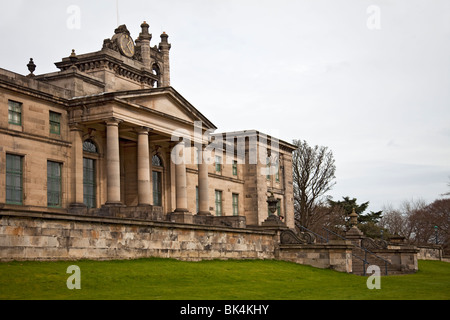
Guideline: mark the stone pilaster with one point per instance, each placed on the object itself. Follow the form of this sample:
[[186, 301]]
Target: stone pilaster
[[76, 170], [203, 190]]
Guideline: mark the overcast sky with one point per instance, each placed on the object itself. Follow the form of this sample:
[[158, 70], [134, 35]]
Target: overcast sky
[[370, 80]]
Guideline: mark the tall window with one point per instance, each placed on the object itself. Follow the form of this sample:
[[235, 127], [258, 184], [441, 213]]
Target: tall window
[[14, 112], [218, 164], [235, 170], [53, 184], [277, 173], [14, 179], [157, 166], [218, 203], [89, 175], [235, 204], [89, 185], [55, 122]]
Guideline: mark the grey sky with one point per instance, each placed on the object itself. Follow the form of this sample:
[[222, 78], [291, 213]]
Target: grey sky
[[312, 70]]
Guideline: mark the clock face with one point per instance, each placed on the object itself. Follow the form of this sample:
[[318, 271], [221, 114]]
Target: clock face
[[126, 45]]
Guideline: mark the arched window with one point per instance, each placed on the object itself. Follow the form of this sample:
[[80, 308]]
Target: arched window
[[155, 70], [89, 146], [156, 161], [89, 174]]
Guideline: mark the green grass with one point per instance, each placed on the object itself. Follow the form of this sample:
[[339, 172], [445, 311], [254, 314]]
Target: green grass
[[166, 279]]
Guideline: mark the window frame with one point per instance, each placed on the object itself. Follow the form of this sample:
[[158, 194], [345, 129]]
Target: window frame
[[218, 199], [12, 173], [157, 188], [92, 183], [235, 204], [218, 162], [52, 181], [12, 105], [235, 168], [55, 122]]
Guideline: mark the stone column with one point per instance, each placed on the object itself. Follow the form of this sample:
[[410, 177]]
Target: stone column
[[112, 162], [180, 180], [76, 134], [203, 190], [143, 167]]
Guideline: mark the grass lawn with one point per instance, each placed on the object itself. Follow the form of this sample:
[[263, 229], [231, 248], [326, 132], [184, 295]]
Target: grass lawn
[[166, 279]]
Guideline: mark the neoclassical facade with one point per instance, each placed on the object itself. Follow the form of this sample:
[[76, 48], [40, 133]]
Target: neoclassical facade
[[107, 135]]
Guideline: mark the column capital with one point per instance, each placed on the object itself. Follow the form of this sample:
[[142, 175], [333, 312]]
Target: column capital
[[113, 121], [142, 130], [75, 126]]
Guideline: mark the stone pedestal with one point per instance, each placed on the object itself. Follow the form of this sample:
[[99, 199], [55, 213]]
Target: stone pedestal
[[274, 221], [181, 217], [354, 235]]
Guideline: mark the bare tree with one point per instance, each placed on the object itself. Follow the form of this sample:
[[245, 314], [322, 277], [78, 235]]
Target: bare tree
[[399, 221], [313, 174]]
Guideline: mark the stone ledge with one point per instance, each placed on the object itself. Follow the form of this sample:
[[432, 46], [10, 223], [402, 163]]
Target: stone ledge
[[124, 221]]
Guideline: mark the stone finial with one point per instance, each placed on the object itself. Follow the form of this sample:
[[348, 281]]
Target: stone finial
[[31, 67], [73, 57], [353, 218], [145, 35], [164, 44]]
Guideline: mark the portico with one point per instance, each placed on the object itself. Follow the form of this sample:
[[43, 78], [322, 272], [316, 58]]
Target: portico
[[129, 132]]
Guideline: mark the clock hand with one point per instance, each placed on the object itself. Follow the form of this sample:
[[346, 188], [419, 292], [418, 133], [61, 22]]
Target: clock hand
[[130, 45]]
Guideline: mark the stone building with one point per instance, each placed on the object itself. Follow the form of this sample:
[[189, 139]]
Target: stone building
[[104, 137], [105, 160]]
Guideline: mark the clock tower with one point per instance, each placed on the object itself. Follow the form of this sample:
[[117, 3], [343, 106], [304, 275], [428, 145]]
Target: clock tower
[[122, 63]]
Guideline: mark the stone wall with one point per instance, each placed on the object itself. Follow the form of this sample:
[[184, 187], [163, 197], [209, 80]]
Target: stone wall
[[336, 256], [430, 252], [43, 236]]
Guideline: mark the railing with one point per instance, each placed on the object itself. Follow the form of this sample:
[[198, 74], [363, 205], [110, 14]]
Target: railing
[[366, 251], [315, 234]]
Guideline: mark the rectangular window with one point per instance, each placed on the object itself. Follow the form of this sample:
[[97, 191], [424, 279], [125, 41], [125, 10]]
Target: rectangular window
[[235, 170], [235, 204], [53, 184], [14, 112], [55, 122], [89, 185], [14, 179], [218, 164], [157, 192], [268, 169], [218, 203]]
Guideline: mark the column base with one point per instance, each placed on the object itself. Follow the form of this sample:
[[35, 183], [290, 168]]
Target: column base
[[204, 213], [181, 217], [77, 205], [77, 208], [144, 205], [114, 204]]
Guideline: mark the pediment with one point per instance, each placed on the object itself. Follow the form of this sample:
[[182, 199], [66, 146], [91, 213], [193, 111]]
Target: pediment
[[166, 102]]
